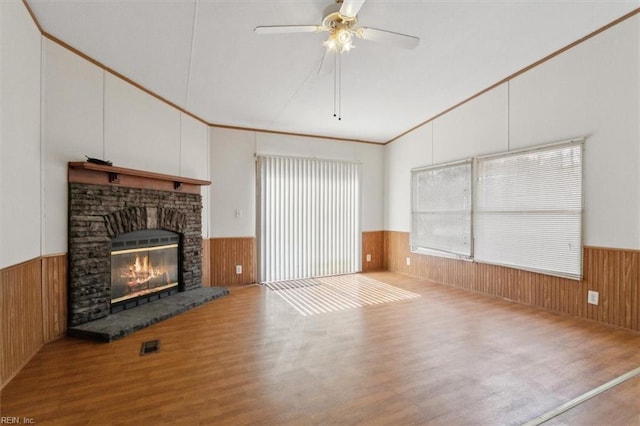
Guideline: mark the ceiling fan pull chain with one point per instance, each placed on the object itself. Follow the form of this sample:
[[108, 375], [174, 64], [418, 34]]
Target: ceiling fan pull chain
[[340, 87], [335, 85]]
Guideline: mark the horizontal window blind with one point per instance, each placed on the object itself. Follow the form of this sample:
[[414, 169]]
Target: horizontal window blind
[[528, 210], [309, 218], [441, 208]]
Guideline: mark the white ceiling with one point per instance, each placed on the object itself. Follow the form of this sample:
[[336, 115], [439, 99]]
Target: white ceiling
[[204, 56]]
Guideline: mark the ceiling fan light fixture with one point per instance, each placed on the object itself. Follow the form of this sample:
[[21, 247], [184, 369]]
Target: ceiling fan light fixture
[[343, 36], [340, 40], [330, 44], [340, 19]]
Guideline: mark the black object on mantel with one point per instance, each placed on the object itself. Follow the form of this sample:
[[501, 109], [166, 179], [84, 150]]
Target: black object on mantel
[[98, 161]]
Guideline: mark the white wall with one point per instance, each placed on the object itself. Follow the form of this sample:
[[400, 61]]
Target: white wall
[[474, 128], [592, 90], [415, 149], [87, 111], [72, 105], [140, 132], [234, 181], [20, 191]]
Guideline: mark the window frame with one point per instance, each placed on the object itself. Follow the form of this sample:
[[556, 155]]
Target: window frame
[[435, 251], [525, 151]]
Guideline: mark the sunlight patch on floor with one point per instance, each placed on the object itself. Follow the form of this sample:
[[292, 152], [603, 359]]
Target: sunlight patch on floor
[[328, 294]]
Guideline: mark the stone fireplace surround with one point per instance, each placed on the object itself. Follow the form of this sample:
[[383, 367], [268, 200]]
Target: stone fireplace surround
[[105, 202]]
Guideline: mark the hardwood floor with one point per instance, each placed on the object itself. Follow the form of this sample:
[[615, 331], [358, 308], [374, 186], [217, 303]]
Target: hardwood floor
[[449, 357]]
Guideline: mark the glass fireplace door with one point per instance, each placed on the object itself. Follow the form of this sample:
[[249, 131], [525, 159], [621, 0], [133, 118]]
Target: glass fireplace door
[[143, 263]]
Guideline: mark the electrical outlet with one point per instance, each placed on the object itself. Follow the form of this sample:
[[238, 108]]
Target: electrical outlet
[[238, 269], [368, 258], [408, 261], [592, 297]]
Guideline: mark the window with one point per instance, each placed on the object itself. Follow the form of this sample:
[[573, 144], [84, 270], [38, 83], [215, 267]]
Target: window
[[525, 211], [441, 209], [528, 210]]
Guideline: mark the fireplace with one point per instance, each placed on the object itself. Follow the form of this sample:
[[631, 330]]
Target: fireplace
[[134, 236], [144, 267]]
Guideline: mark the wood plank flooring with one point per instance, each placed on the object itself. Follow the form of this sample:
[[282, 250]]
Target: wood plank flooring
[[450, 357]]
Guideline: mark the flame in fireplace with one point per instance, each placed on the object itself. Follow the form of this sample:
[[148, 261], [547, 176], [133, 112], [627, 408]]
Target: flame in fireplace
[[141, 271]]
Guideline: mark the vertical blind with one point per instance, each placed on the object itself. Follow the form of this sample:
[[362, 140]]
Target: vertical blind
[[309, 218], [441, 208], [528, 210]]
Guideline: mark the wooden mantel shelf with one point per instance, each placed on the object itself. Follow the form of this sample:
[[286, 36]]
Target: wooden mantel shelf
[[98, 174]]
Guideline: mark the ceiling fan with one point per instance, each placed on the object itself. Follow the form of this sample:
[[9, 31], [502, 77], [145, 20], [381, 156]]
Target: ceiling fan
[[339, 21]]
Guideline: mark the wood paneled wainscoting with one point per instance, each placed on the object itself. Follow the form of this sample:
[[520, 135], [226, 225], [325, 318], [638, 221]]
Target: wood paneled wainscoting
[[372, 244], [54, 297], [225, 254], [614, 273], [221, 255], [33, 310]]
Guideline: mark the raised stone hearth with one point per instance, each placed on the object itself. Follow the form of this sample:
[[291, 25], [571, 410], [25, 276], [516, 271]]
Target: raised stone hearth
[[105, 202], [126, 322]]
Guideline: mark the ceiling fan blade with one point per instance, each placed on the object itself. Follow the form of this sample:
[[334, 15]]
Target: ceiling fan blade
[[287, 29], [350, 8], [389, 37]]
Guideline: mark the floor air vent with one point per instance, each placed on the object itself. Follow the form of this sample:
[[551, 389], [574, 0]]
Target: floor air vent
[[150, 347]]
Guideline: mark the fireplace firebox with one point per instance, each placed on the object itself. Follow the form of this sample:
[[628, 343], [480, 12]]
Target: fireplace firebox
[[144, 267]]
